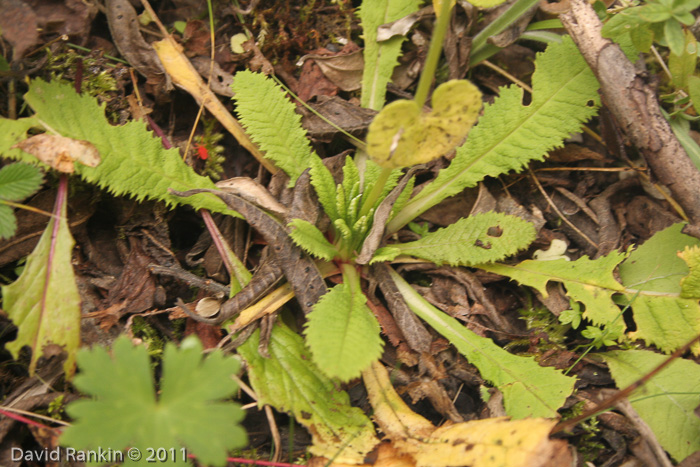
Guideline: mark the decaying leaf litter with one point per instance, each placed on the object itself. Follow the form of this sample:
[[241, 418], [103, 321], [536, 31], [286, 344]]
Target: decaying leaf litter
[[136, 258]]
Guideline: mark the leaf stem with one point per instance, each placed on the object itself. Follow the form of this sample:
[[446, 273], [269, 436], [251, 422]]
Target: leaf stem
[[426, 77]]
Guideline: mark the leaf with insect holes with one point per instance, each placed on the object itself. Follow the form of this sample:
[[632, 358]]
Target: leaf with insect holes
[[342, 333], [290, 382], [402, 134], [44, 302], [482, 238], [17, 182], [667, 402], [188, 411]]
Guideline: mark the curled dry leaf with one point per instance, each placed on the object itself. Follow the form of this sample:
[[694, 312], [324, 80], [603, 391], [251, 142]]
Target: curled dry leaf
[[252, 191], [60, 152], [344, 69]]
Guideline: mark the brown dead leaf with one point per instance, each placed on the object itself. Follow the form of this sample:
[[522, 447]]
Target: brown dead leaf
[[250, 190], [344, 68], [18, 23], [197, 38], [343, 114], [70, 17], [60, 152], [401, 26], [124, 27], [312, 82]]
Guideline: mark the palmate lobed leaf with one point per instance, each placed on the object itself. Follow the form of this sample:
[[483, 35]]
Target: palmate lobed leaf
[[290, 382], [482, 238], [189, 413], [44, 302], [342, 333]]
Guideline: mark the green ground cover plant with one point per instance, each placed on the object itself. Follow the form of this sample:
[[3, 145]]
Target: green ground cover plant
[[374, 199]]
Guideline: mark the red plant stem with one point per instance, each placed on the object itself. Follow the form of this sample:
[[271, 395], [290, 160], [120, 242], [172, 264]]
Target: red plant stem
[[218, 240], [157, 130], [24, 420]]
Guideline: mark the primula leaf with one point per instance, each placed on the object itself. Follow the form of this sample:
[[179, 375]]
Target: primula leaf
[[307, 236], [189, 413], [324, 185], [342, 333], [529, 390], [134, 162], [290, 382], [44, 302], [270, 120], [667, 402], [588, 281], [482, 238], [510, 134], [18, 181], [402, 135], [380, 57]]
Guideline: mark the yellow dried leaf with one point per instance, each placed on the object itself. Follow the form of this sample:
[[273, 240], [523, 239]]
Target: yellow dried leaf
[[402, 135], [60, 152], [185, 76], [496, 442]]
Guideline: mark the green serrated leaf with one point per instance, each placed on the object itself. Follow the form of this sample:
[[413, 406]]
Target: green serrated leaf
[[654, 12], [482, 238], [270, 120], [588, 281], [351, 178], [307, 236], [402, 135], [403, 197], [380, 58], [18, 181], [529, 390], [385, 253], [134, 162], [509, 134], [189, 412], [44, 302], [324, 185], [667, 402], [290, 382], [343, 334], [8, 222]]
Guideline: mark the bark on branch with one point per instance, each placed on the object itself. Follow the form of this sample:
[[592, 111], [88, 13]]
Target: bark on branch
[[635, 107]]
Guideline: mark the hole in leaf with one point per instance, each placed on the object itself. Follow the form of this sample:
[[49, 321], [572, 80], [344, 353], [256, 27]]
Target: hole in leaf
[[495, 231]]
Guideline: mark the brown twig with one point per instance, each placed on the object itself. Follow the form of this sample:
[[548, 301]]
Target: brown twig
[[634, 105]]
